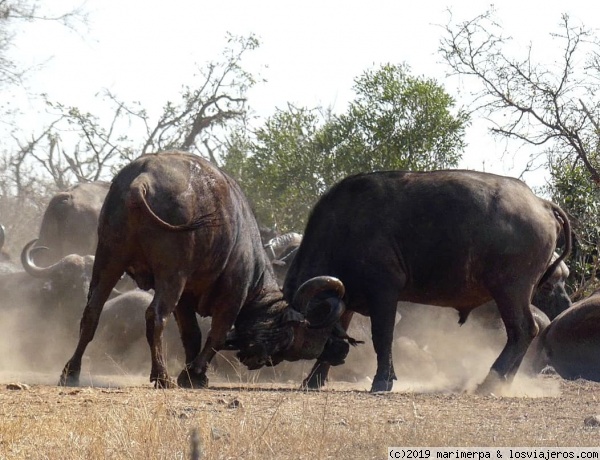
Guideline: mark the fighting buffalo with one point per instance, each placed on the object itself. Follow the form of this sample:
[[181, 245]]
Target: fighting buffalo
[[178, 225], [446, 238]]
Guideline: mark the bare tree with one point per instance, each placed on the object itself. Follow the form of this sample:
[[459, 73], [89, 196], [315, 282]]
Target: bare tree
[[14, 13], [92, 147], [219, 98], [552, 105]]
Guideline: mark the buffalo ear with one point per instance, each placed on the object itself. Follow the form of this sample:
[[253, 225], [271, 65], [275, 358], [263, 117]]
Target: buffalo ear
[[292, 316]]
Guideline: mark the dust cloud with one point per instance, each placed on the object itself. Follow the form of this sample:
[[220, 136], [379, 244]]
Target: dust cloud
[[37, 342], [32, 343], [432, 352]]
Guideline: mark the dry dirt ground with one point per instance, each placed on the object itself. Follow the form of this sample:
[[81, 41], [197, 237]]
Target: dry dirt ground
[[126, 418], [116, 414]]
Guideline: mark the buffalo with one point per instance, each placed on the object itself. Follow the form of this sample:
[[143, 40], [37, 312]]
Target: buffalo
[[571, 342], [280, 246], [447, 238], [551, 296], [177, 224], [281, 250], [70, 221], [6, 263], [43, 302], [120, 339], [3, 254], [44, 288], [57, 290]]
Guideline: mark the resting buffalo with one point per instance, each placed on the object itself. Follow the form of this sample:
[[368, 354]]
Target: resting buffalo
[[69, 224], [571, 343], [447, 238], [178, 225]]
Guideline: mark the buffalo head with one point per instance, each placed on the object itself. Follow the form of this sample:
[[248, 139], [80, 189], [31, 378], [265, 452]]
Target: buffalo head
[[72, 273], [301, 330], [551, 296]]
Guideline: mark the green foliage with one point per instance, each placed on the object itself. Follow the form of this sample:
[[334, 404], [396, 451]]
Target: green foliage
[[396, 121], [281, 176], [547, 101], [572, 189]]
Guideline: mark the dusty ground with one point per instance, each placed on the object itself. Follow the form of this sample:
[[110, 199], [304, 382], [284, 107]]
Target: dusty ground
[[126, 418], [116, 414]]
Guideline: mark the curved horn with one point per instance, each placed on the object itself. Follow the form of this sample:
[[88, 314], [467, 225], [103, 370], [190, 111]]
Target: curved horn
[[309, 289], [1, 236], [336, 310], [29, 265]]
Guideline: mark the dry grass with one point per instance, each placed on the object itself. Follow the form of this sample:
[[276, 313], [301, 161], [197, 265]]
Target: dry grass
[[259, 415], [258, 421]]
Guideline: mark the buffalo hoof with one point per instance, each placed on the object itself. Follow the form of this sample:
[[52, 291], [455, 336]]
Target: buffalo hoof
[[493, 384], [163, 383], [69, 378], [189, 379], [314, 382], [381, 385]]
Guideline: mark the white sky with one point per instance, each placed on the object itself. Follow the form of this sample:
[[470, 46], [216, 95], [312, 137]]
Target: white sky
[[310, 51]]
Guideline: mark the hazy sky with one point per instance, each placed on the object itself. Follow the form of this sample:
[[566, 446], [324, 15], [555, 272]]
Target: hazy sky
[[310, 51]]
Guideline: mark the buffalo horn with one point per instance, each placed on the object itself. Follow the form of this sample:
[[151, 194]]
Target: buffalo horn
[[29, 265], [309, 289]]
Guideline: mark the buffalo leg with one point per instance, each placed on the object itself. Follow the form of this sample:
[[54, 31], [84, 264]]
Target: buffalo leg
[[191, 337], [167, 294], [521, 328], [318, 374], [222, 322], [88, 325], [382, 332]]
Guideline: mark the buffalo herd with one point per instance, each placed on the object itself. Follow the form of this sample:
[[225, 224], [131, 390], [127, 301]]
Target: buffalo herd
[[379, 244]]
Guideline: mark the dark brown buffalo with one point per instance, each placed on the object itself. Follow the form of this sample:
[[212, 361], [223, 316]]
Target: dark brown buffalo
[[447, 238], [549, 300], [70, 222], [571, 342], [178, 225]]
